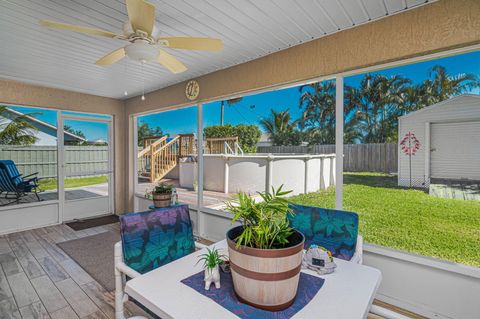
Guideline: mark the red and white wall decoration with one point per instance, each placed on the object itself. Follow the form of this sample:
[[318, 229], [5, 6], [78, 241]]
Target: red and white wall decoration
[[410, 145]]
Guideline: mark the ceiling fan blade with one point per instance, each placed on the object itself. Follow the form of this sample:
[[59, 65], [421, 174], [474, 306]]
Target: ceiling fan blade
[[76, 28], [141, 15], [189, 43], [170, 62], [112, 57]]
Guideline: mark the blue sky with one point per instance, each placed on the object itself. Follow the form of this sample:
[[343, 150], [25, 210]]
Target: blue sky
[[92, 130], [252, 108]]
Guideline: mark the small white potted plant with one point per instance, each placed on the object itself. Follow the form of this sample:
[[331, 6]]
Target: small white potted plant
[[212, 260]]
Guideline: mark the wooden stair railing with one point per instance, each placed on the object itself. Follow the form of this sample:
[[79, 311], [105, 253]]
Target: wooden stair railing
[[187, 145], [144, 156], [164, 159], [221, 145], [161, 155]]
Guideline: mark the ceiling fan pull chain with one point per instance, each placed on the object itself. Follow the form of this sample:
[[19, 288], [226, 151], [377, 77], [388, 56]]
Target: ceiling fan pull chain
[[125, 76], [143, 81]]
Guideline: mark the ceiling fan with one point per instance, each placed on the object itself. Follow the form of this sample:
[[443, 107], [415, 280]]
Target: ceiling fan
[[145, 44]]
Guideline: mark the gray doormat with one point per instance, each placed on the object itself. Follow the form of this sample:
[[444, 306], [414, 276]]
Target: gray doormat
[[93, 222], [95, 255]]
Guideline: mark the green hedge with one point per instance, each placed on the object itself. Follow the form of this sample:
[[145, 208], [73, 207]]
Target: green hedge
[[248, 135]]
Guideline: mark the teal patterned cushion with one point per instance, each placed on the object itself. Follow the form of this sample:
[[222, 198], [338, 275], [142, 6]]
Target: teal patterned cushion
[[336, 230], [154, 238]]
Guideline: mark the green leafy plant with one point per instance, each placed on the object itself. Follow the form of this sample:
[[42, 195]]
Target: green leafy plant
[[162, 188], [265, 223], [212, 258], [17, 129]]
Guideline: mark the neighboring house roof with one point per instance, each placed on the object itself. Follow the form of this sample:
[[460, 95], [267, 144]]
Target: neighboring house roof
[[264, 137], [42, 126], [440, 104]]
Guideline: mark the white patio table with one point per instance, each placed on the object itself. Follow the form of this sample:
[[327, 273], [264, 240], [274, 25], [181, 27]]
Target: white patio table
[[347, 293]]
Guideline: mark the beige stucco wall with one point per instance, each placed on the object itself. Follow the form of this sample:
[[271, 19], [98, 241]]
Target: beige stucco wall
[[12, 92]]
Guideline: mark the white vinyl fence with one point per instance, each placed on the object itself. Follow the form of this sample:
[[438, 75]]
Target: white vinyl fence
[[43, 159]]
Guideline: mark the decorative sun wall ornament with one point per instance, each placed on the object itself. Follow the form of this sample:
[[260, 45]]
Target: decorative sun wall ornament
[[192, 90]]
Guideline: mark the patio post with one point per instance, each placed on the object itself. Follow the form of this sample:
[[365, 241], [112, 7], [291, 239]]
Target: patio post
[[200, 217], [60, 166], [339, 142]]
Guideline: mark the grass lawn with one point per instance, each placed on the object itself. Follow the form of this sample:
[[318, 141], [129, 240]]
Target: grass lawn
[[407, 219], [72, 182]]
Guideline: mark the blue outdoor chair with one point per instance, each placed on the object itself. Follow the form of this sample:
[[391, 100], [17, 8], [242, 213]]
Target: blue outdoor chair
[[336, 230], [14, 185], [150, 240]]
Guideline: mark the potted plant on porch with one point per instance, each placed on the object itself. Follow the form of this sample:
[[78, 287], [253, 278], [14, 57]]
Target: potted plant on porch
[[162, 195], [265, 252]]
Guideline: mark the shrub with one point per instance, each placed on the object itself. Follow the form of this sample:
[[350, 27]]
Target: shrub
[[248, 135], [293, 137]]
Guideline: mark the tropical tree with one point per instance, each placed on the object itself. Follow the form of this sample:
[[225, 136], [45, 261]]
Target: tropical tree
[[377, 103], [281, 128], [16, 129], [144, 130], [317, 101], [372, 108], [441, 86], [70, 129]]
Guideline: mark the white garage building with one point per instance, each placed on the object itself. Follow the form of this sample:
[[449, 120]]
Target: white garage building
[[449, 137]]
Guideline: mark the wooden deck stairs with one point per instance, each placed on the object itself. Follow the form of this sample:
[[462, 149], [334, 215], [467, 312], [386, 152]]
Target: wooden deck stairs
[[161, 154]]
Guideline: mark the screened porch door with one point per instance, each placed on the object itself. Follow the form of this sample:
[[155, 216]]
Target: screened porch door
[[86, 184]]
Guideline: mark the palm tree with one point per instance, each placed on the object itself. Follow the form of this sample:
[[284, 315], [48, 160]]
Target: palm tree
[[377, 105], [441, 86], [278, 122], [281, 128], [16, 129], [318, 116]]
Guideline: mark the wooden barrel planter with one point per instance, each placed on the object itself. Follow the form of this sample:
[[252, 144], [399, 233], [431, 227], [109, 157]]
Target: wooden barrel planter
[[161, 199], [266, 278]]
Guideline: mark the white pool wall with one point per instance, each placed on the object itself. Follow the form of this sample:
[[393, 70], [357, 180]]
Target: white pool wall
[[301, 173]]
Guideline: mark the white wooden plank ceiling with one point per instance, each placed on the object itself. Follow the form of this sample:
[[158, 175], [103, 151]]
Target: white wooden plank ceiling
[[249, 28]]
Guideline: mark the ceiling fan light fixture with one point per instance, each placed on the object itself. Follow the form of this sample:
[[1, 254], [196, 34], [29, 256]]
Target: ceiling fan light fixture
[[128, 30], [141, 51], [143, 34]]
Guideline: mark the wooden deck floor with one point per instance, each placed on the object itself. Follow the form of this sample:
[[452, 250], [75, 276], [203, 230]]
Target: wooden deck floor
[[211, 199], [39, 281]]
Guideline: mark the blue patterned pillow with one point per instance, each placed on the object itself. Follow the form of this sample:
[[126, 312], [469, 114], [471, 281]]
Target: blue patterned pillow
[[154, 238], [336, 230]]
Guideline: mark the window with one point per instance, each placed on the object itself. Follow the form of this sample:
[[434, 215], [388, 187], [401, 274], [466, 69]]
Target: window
[[271, 139], [28, 146], [411, 157], [167, 152]]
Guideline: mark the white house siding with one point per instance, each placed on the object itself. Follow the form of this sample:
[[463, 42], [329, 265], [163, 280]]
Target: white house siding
[[458, 109]]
